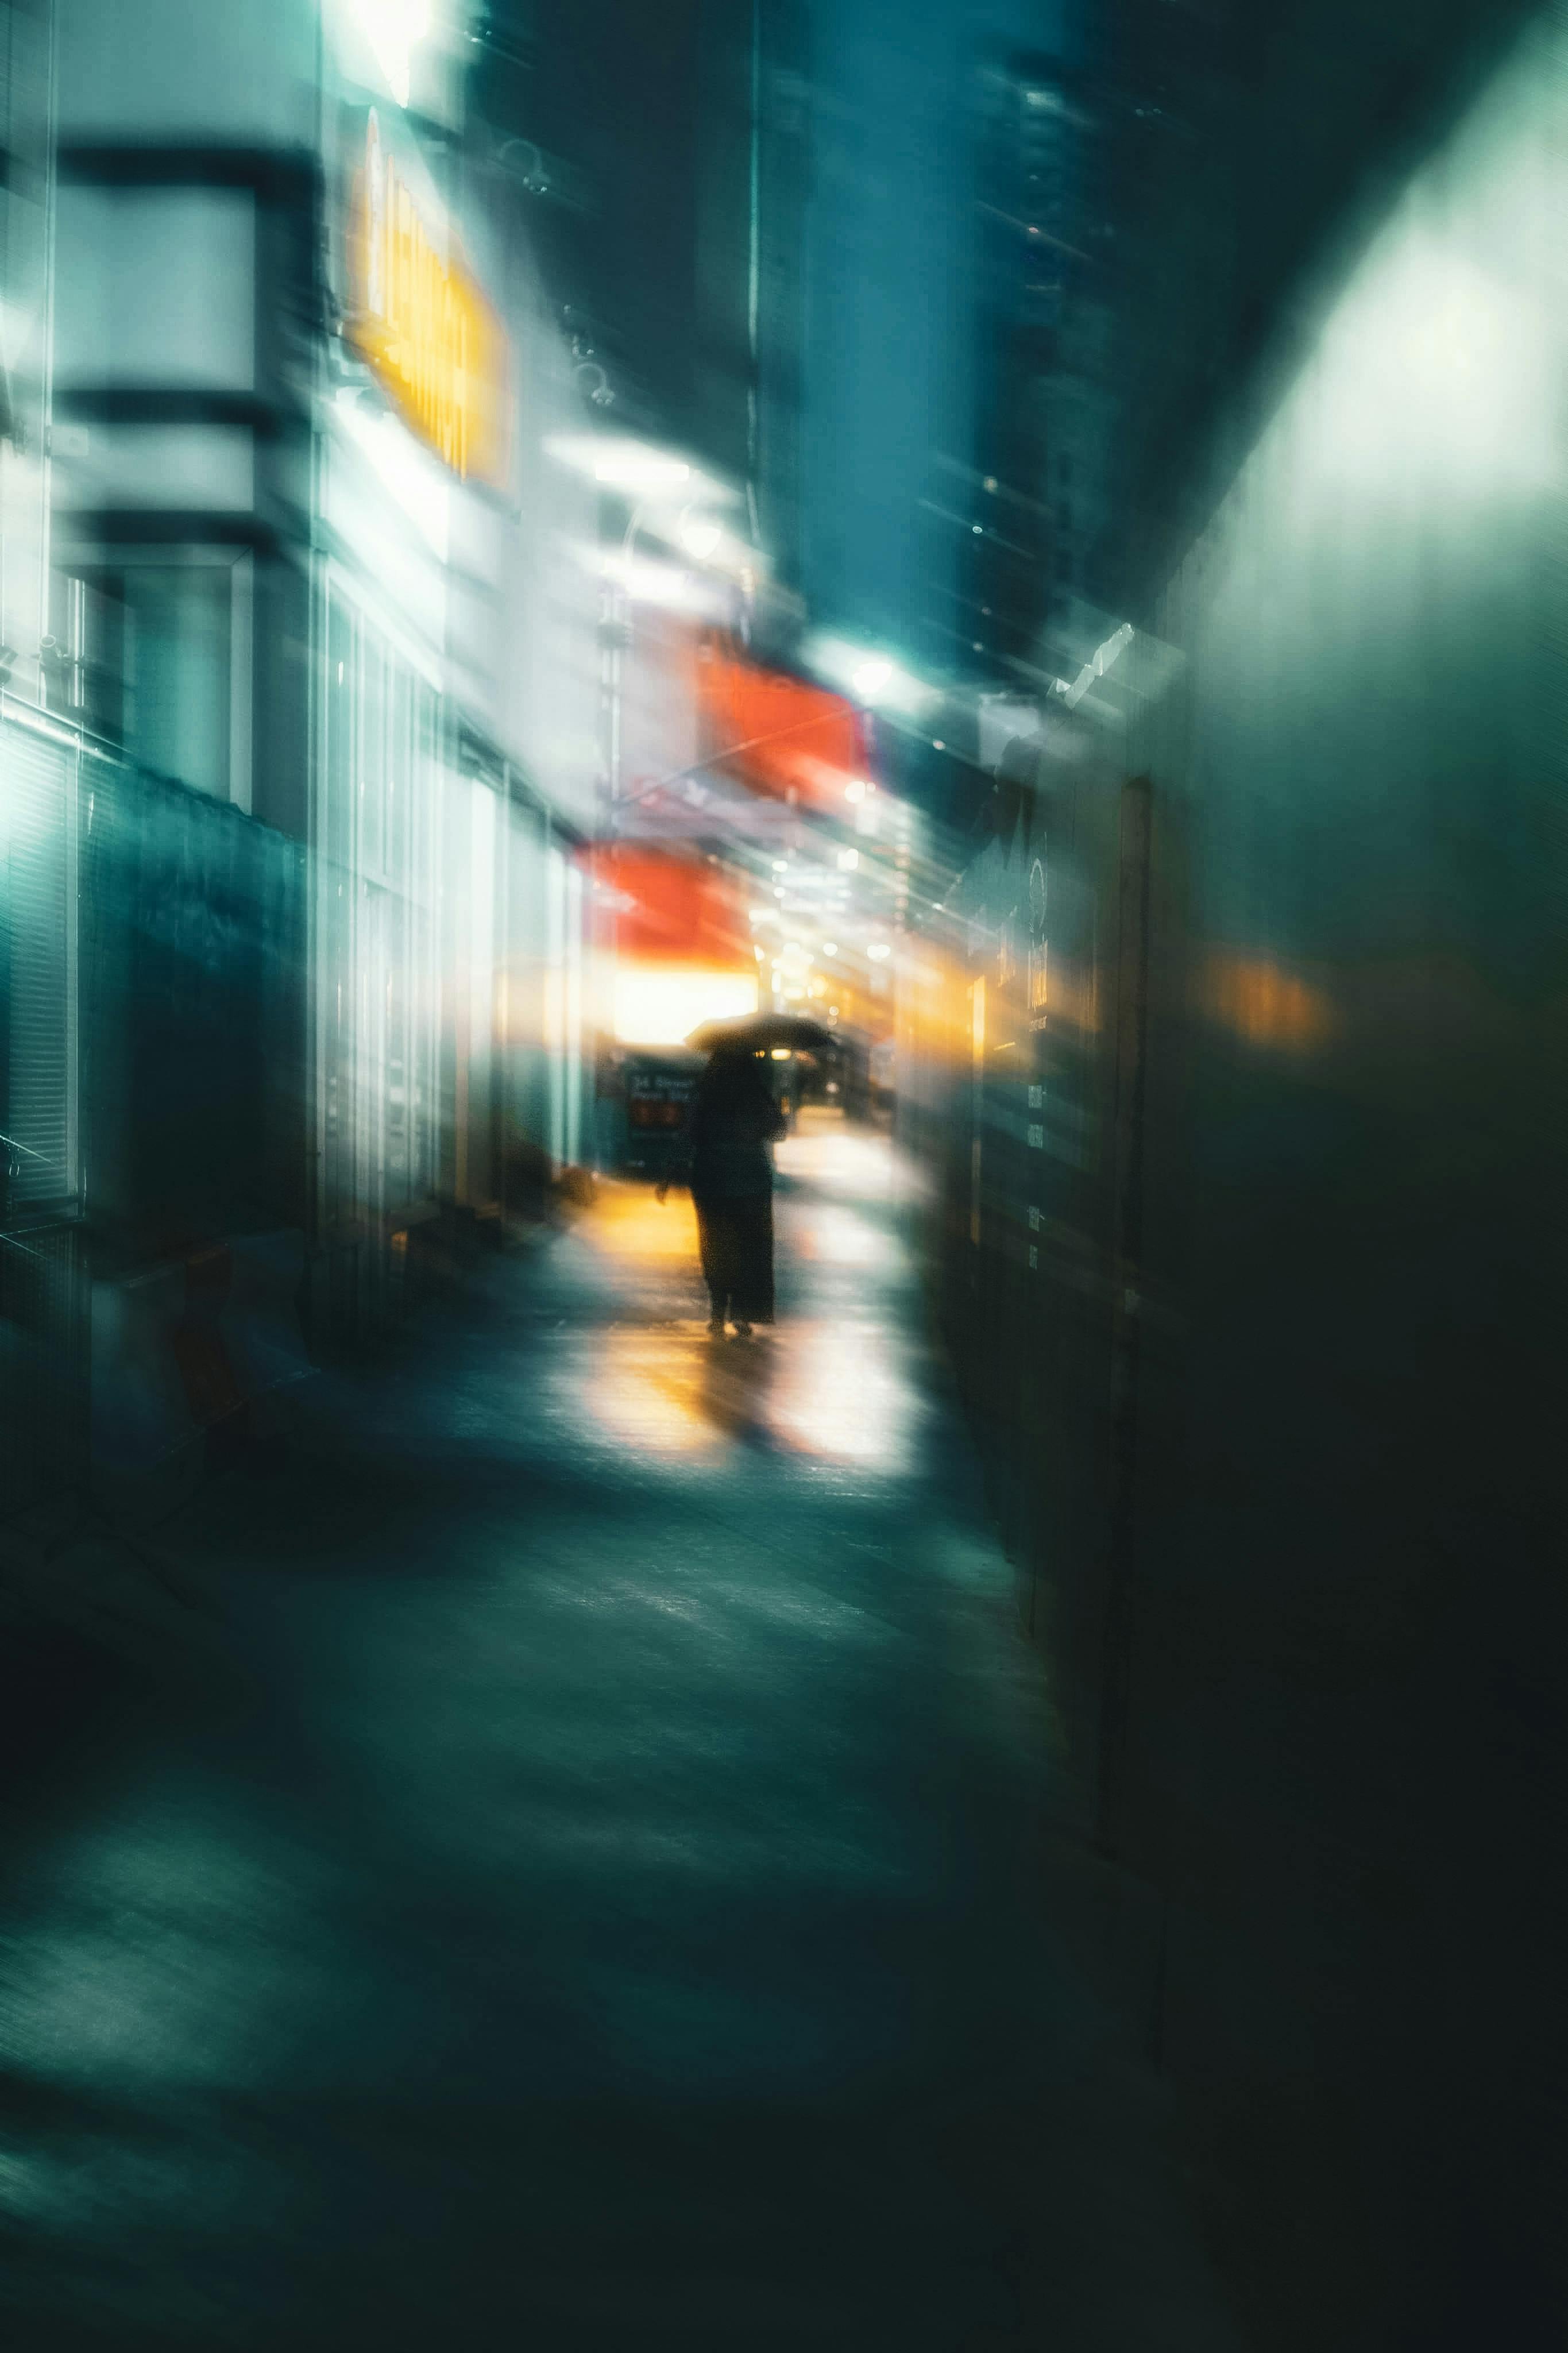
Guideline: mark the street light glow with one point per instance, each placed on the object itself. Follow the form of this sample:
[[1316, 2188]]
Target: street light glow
[[872, 679], [641, 470], [661, 1004], [394, 29], [699, 536], [634, 466], [644, 582]]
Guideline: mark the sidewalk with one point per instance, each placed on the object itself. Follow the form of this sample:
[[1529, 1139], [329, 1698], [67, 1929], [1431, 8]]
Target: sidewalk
[[614, 1919]]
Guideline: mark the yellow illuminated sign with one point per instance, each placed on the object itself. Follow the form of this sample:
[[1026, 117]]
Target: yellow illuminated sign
[[421, 320]]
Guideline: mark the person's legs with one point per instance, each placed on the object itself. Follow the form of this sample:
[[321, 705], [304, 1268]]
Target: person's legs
[[753, 1298], [718, 1241]]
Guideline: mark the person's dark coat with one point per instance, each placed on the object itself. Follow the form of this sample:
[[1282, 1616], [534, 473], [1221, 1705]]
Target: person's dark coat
[[734, 1122]]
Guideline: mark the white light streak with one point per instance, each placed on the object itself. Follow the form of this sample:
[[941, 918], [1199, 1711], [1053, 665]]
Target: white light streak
[[394, 29]]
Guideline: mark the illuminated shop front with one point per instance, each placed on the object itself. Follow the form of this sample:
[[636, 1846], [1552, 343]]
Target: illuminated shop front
[[683, 949], [449, 909], [303, 566]]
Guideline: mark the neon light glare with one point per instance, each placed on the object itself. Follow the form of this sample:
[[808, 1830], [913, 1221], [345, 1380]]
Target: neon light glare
[[420, 321], [395, 29], [699, 537], [661, 1004], [631, 468]]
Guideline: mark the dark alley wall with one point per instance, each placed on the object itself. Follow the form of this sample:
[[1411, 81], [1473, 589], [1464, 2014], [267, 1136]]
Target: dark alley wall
[[1250, 152], [1255, 1274]]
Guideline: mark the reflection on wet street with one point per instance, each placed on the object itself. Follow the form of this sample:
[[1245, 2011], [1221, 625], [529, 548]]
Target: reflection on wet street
[[836, 1383], [614, 1914]]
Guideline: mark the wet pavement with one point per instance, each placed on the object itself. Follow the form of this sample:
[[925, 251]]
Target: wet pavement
[[608, 1909]]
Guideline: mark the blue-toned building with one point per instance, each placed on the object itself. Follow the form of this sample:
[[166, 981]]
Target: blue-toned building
[[310, 700]]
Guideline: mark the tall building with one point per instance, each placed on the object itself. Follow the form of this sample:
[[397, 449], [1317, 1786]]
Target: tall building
[[25, 213], [296, 928], [1040, 303], [781, 193], [665, 153], [42, 1283]]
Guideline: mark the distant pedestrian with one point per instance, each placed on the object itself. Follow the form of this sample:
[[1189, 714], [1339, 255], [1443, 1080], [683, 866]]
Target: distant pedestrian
[[734, 1122]]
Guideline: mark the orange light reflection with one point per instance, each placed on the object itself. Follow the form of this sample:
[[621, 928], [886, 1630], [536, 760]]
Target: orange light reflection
[[629, 1221], [647, 1388]]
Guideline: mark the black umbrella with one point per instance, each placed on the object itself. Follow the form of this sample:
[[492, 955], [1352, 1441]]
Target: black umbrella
[[758, 1033]]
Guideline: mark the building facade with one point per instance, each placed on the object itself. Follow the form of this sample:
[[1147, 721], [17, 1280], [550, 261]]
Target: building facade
[[301, 728]]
